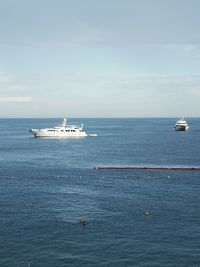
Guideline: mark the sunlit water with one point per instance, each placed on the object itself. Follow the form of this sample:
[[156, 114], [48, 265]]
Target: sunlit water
[[47, 185]]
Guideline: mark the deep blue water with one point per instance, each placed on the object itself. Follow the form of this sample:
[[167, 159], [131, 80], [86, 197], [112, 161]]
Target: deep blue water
[[47, 185]]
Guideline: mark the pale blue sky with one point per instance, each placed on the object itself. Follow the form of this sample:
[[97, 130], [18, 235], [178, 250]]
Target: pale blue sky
[[91, 58]]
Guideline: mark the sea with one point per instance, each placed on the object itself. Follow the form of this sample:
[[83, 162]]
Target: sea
[[132, 217]]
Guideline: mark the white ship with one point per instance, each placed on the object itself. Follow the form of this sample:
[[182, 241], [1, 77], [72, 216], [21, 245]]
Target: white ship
[[61, 130], [181, 125]]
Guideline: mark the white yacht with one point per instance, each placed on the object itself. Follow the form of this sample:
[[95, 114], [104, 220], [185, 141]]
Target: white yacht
[[181, 125], [61, 130]]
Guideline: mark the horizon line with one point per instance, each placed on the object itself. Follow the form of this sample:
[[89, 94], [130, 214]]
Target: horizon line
[[131, 117]]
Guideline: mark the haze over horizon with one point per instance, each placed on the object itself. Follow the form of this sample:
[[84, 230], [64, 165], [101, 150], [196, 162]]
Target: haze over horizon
[[130, 58]]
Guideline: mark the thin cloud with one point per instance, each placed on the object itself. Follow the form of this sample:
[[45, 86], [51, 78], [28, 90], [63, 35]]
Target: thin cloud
[[182, 47], [3, 78], [15, 99], [196, 91], [156, 81]]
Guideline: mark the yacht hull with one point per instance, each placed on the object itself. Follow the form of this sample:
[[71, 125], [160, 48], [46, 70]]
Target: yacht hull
[[41, 133], [181, 128]]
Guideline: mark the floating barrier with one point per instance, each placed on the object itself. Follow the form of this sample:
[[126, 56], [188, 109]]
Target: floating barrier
[[147, 168]]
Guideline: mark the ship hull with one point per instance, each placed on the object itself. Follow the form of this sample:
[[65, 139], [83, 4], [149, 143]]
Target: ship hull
[[181, 128], [58, 134]]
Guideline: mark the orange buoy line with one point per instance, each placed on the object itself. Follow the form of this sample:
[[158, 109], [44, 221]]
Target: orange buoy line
[[147, 168]]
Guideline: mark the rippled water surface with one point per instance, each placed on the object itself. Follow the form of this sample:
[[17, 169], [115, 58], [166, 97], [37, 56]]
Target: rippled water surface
[[133, 218]]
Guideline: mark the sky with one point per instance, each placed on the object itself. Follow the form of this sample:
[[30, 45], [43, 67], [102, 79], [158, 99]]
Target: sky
[[91, 58]]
